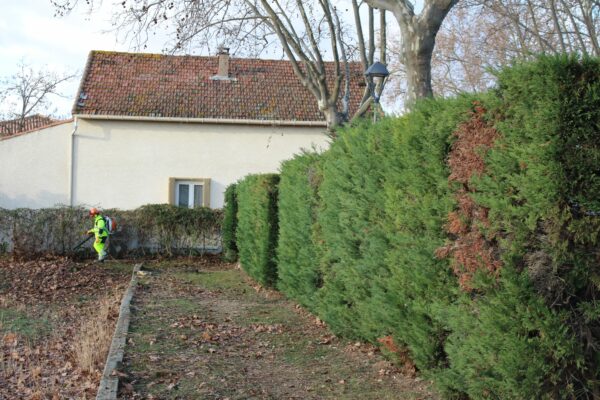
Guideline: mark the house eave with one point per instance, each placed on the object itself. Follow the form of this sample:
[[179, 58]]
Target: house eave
[[225, 121]]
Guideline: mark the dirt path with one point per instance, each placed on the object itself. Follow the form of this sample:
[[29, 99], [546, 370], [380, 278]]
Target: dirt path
[[203, 332]]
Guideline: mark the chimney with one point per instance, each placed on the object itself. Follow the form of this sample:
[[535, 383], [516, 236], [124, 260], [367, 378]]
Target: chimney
[[223, 62]]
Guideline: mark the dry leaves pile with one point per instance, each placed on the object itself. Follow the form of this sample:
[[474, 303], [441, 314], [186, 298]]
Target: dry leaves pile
[[69, 298], [55, 279]]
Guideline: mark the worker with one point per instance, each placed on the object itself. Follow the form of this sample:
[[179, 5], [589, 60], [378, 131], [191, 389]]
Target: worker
[[101, 232]]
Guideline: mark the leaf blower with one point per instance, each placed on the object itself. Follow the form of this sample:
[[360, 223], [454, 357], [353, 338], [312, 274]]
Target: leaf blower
[[83, 242]]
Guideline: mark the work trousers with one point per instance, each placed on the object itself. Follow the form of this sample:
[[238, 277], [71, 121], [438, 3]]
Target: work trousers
[[100, 246]]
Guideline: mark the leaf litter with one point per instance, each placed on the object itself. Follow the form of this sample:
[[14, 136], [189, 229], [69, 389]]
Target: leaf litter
[[45, 361]]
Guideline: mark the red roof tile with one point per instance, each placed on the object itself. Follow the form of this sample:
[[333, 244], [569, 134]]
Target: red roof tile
[[14, 126], [152, 85]]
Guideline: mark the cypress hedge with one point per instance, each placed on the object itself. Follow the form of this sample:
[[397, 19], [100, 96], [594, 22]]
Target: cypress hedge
[[414, 297], [463, 235], [257, 227], [351, 221], [230, 208], [529, 330], [298, 272]]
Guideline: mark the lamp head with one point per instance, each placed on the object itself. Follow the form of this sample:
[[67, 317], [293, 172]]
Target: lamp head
[[377, 70]]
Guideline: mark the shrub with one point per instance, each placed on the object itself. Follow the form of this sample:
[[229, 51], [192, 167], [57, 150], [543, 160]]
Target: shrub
[[230, 209], [464, 233], [298, 268], [418, 289], [351, 221], [527, 330], [385, 198], [36, 232], [508, 344], [257, 228], [171, 229], [158, 228]]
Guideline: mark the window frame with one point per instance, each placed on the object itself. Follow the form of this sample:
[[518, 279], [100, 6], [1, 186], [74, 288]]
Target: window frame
[[176, 181]]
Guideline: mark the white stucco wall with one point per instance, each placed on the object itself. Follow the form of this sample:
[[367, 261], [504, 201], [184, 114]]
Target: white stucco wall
[[34, 168], [126, 164]]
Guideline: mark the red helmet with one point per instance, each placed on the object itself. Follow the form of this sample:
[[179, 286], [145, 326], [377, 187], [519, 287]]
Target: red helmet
[[94, 211]]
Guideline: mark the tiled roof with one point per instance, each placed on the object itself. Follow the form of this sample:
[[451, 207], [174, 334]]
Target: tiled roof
[[14, 126], [152, 85]]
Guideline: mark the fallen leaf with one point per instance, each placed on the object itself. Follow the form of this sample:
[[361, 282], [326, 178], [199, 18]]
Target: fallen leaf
[[127, 388], [10, 339]]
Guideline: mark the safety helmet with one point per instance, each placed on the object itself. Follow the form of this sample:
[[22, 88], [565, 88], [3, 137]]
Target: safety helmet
[[94, 211]]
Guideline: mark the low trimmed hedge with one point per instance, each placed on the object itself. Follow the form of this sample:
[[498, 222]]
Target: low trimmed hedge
[[154, 228]]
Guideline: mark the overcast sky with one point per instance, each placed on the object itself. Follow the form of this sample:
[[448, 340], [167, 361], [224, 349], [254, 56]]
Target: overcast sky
[[29, 31]]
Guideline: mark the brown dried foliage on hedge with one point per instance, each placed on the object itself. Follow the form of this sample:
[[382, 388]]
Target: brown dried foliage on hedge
[[400, 354], [470, 249]]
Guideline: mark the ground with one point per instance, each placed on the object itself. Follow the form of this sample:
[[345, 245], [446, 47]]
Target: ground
[[200, 329], [56, 323], [203, 330]]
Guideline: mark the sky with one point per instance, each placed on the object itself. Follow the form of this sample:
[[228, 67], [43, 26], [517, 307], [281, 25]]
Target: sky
[[30, 32]]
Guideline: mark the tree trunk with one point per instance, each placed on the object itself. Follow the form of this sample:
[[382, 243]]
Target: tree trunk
[[418, 50], [418, 40], [333, 117]]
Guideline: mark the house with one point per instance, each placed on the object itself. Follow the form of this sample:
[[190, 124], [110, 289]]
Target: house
[[151, 128], [20, 125]]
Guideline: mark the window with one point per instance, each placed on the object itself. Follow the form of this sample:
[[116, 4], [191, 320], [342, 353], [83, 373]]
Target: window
[[186, 192]]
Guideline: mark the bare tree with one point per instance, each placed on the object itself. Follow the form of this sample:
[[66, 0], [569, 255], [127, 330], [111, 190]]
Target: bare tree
[[418, 33], [549, 26], [461, 58], [27, 92], [480, 36], [308, 33]]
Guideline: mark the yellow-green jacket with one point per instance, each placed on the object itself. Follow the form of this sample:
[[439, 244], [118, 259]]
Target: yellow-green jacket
[[99, 230]]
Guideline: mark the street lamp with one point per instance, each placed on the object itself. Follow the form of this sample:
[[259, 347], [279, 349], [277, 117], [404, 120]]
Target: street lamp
[[376, 71]]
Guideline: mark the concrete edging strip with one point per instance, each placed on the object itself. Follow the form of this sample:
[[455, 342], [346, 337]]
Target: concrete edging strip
[[109, 384]]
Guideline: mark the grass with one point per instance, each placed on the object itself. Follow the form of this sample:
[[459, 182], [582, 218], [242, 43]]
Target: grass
[[92, 341], [15, 320], [230, 282]]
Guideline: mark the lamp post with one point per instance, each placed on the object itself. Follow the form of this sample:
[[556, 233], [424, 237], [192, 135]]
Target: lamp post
[[376, 71]]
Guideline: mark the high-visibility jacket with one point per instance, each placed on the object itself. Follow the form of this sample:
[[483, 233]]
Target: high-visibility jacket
[[99, 229]]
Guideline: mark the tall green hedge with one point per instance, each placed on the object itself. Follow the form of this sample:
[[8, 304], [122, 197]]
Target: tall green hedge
[[257, 228], [381, 216], [298, 269], [531, 332], [230, 208], [350, 219], [415, 295]]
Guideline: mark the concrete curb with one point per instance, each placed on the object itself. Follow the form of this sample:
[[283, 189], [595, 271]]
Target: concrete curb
[[109, 384]]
